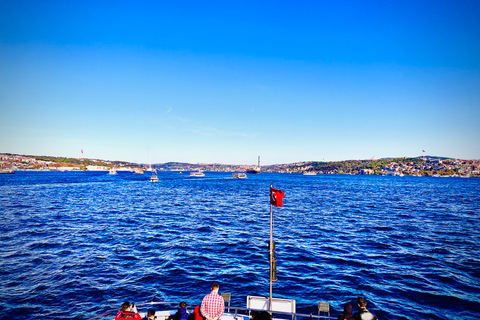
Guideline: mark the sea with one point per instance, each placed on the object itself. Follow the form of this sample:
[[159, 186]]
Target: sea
[[76, 245]]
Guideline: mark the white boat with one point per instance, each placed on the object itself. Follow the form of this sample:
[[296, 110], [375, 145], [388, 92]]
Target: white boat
[[138, 170], [393, 174], [112, 171], [197, 174], [154, 177], [241, 175], [309, 173]]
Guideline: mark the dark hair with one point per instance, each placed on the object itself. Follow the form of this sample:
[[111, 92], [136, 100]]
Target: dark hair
[[215, 285], [183, 304], [347, 310], [362, 302], [125, 306], [150, 312], [263, 315]]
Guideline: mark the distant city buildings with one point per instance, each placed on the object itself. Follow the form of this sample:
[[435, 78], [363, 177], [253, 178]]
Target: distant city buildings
[[425, 166]]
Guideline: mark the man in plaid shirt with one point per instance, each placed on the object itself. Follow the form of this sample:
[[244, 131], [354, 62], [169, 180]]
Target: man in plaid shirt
[[212, 304]]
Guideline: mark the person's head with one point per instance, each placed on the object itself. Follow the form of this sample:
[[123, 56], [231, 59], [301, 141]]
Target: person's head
[[263, 315], [347, 310], [215, 286], [362, 302], [151, 313], [183, 304], [254, 314], [125, 306]]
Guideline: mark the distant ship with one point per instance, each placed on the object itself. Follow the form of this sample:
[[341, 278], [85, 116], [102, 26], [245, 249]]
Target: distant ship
[[256, 169], [197, 174], [240, 175]]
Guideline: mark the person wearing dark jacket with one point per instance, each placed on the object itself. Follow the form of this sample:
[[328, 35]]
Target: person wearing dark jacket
[[347, 313], [182, 313], [363, 313]]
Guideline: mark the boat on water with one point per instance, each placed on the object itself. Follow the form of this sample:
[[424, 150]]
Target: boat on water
[[240, 175], [197, 174], [154, 177], [309, 173], [112, 171], [393, 174], [138, 171], [256, 169], [7, 171]]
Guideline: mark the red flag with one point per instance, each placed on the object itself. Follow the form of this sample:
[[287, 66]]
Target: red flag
[[82, 150], [423, 150], [276, 197]]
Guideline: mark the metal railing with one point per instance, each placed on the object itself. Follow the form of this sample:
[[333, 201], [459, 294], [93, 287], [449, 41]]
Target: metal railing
[[238, 313], [291, 315]]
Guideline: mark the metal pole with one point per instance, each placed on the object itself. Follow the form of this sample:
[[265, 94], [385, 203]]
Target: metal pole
[[271, 249]]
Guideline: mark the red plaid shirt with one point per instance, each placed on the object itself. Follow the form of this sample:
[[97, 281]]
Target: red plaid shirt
[[213, 306]]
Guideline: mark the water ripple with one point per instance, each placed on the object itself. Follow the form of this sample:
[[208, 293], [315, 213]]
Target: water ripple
[[80, 243]]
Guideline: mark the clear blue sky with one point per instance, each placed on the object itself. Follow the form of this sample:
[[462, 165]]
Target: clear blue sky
[[228, 81]]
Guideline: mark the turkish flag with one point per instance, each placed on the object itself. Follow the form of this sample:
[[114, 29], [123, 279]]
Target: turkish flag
[[276, 197]]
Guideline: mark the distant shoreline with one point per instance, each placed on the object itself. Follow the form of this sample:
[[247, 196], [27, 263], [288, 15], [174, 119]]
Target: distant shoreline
[[419, 166]]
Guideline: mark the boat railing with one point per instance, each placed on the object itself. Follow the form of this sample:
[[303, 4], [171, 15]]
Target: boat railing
[[239, 313], [277, 314]]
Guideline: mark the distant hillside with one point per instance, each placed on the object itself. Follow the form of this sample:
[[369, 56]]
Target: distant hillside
[[423, 166], [347, 166]]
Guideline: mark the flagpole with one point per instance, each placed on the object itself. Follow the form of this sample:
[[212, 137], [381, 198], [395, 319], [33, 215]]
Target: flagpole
[[271, 250]]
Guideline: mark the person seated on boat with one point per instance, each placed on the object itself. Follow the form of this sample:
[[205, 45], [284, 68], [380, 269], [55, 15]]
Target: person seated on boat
[[347, 313], [213, 304], [182, 313], [363, 313], [128, 312], [150, 315], [263, 315]]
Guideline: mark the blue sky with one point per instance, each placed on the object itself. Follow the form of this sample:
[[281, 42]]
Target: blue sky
[[227, 81]]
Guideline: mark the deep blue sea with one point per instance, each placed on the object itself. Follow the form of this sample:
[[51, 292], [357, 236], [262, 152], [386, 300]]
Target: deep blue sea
[[75, 245]]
